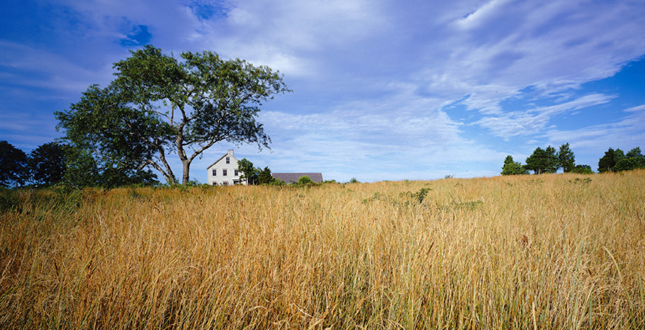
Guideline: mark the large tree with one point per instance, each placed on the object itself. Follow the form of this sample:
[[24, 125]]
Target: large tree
[[249, 173], [13, 165], [47, 163], [609, 160], [542, 161], [566, 158], [159, 105], [511, 167]]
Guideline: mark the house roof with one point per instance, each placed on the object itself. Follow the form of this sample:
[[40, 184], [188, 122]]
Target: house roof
[[226, 154], [293, 177]]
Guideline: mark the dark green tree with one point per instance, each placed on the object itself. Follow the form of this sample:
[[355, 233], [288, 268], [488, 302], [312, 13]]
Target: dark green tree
[[633, 159], [627, 164], [13, 165], [158, 105], [47, 163], [511, 167], [566, 158], [552, 163], [635, 153], [265, 176], [84, 170], [582, 169], [249, 173], [609, 160], [536, 162]]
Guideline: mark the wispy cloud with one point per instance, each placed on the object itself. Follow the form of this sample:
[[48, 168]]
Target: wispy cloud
[[534, 120]]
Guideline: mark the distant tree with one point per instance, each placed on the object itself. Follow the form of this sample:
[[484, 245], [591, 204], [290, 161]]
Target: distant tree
[[511, 167], [265, 176], [353, 180], [566, 158], [635, 153], [582, 169], [552, 163], [249, 173], [627, 164], [609, 160], [159, 105], [13, 165], [618, 155], [633, 159], [48, 163], [536, 162], [304, 180]]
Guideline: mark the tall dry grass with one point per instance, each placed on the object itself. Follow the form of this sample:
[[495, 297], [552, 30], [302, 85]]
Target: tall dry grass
[[525, 252]]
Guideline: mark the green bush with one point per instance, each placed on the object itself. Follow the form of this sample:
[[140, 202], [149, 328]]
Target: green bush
[[303, 180]]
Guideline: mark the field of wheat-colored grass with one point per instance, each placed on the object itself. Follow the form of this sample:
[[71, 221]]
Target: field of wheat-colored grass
[[523, 252]]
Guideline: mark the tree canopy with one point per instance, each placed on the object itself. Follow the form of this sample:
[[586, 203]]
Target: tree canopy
[[13, 165], [158, 105], [609, 160], [511, 167], [48, 163], [249, 173], [566, 158]]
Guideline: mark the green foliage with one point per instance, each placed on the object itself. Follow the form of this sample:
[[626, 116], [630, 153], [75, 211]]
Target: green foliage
[[353, 180], [628, 164], [566, 158], [158, 105], [418, 196], [511, 167], [277, 182], [634, 159], [581, 181], [47, 163], [84, 170], [609, 160], [582, 169], [542, 161], [265, 176], [248, 172], [13, 166], [636, 153], [304, 180]]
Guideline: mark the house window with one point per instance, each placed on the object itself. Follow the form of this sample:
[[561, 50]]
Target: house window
[[225, 183], [224, 172], [236, 174], [228, 160], [214, 172]]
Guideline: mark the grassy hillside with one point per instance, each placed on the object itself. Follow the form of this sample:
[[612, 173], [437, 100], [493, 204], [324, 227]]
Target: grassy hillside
[[523, 252]]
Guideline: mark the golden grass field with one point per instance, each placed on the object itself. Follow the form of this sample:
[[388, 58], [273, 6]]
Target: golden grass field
[[558, 251]]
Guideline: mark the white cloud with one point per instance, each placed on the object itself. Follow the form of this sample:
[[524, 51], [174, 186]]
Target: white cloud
[[536, 119]]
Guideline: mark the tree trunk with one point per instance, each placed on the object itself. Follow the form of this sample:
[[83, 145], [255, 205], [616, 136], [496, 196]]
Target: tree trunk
[[186, 176]]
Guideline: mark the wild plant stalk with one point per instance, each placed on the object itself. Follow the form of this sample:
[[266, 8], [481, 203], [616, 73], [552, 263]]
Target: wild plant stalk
[[546, 252]]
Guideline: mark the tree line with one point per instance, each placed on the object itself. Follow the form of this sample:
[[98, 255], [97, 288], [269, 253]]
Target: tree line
[[550, 161]]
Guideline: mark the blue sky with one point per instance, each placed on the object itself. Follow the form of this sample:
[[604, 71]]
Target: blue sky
[[382, 90]]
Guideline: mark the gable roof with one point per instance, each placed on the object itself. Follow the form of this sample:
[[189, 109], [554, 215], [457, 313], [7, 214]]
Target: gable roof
[[293, 177], [229, 153]]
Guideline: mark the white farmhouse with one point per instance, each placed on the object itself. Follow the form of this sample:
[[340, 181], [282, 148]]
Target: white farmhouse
[[224, 171]]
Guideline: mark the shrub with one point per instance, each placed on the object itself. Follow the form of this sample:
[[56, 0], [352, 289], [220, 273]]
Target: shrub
[[303, 180]]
